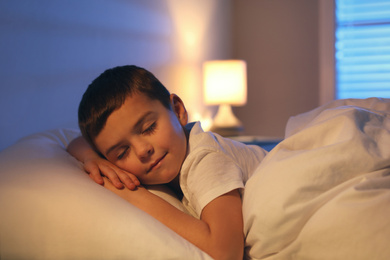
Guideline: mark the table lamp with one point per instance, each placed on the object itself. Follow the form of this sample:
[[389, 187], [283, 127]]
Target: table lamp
[[225, 85]]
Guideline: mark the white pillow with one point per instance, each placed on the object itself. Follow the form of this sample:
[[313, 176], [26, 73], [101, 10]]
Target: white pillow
[[50, 209]]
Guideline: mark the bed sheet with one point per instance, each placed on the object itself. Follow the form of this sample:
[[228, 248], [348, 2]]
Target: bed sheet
[[324, 191]]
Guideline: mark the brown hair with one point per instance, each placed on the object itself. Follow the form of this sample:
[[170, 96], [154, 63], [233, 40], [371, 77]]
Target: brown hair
[[108, 92]]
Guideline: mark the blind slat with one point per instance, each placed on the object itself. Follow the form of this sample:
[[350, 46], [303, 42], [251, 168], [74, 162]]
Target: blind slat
[[362, 86], [365, 68]]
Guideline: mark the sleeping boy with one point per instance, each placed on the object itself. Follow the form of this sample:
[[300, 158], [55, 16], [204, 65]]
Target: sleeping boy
[[135, 132]]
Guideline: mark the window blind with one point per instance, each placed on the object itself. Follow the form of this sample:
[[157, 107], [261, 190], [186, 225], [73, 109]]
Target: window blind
[[362, 48]]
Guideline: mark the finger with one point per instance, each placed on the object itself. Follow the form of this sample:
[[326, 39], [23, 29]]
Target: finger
[[113, 177], [98, 182], [94, 173], [127, 181], [130, 180], [108, 185], [135, 180]]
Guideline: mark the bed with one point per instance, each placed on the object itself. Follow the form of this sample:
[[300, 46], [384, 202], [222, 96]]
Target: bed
[[321, 193]]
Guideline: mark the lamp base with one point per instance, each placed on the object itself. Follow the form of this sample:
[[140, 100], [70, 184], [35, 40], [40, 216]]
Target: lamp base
[[226, 123], [227, 131]]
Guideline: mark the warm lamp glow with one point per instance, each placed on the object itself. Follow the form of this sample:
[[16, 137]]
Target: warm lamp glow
[[225, 82], [225, 85]]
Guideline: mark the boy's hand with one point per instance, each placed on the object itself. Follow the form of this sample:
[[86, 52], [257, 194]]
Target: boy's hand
[[98, 167]]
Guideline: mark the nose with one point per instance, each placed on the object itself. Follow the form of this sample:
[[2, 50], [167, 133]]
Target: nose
[[143, 149]]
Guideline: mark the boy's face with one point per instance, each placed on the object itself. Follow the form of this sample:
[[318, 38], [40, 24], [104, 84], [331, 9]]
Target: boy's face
[[146, 139]]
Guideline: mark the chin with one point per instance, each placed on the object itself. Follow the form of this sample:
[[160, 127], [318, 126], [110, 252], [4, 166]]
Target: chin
[[158, 182], [163, 178]]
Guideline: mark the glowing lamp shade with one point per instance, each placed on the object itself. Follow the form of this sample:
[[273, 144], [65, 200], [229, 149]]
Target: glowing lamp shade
[[225, 85], [225, 82]]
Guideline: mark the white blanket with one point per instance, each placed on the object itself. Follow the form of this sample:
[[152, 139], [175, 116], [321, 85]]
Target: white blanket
[[324, 191]]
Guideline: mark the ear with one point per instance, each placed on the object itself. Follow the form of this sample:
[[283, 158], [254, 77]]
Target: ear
[[179, 109]]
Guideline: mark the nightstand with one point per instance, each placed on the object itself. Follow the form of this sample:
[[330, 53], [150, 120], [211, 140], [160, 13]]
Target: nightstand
[[267, 143]]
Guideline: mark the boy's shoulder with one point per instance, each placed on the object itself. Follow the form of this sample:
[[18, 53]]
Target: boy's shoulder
[[199, 139], [190, 125], [202, 144], [209, 141]]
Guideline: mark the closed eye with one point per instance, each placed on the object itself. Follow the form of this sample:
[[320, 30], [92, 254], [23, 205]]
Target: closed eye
[[150, 129], [123, 153]]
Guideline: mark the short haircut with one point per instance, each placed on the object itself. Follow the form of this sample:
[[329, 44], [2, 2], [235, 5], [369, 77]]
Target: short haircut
[[109, 91]]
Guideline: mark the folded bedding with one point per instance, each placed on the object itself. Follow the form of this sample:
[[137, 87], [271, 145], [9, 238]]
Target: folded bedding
[[324, 191], [321, 193]]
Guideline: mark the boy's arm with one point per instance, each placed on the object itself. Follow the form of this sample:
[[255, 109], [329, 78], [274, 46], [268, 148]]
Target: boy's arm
[[96, 166], [219, 232]]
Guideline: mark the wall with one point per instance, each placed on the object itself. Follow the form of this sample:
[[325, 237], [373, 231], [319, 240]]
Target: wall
[[51, 50], [279, 41]]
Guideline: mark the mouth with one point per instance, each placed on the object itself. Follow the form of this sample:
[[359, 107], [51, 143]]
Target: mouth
[[156, 163]]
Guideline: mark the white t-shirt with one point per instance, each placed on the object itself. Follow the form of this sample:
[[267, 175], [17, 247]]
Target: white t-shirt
[[214, 166]]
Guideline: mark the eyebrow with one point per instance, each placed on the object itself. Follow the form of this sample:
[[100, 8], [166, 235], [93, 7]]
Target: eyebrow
[[137, 125]]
